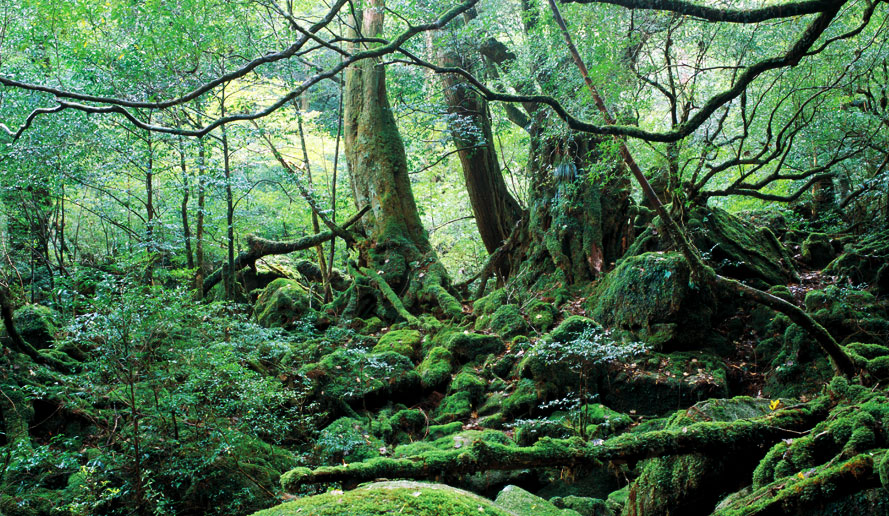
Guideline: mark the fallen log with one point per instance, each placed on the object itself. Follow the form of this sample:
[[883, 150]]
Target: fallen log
[[259, 247]]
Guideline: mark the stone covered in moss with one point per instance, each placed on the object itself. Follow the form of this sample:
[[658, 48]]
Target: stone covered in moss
[[467, 346], [400, 497], [542, 316], [488, 304], [403, 342], [652, 294], [470, 382], [522, 503], [282, 303], [866, 260], [37, 324], [507, 321], [455, 406], [353, 374], [435, 369], [817, 250], [739, 249], [659, 383], [583, 505]]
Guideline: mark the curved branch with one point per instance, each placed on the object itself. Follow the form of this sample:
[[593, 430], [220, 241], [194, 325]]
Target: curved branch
[[713, 14]]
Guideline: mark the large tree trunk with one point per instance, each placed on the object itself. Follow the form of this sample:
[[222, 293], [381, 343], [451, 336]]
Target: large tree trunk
[[579, 220], [496, 211], [397, 246]]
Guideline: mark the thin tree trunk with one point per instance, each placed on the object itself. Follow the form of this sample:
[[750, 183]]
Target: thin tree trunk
[[316, 228], [186, 192]]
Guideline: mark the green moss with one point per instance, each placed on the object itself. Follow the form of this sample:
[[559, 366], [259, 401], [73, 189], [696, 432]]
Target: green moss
[[507, 321], [522, 400], [470, 382], [584, 506], [435, 369], [571, 328], [652, 293], [817, 250], [36, 324], [372, 325], [522, 503], [864, 261], [282, 303], [467, 346], [542, 316], [403, 342], [353, 374], [739, 249], [456, 406], [488, 304], [406, 498]]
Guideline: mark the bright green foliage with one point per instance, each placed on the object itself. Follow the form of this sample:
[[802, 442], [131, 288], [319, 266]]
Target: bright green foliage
[[404, 342], [346, 440], [282, 303], [408, 498]]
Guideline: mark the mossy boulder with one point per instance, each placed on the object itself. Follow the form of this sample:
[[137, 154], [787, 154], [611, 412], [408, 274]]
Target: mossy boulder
[[399, 497], [740, 249], [506, 321], [652, 295], [37, 324], [467, 346], [658, 383], [282, 303], [351, 375], [435, 369], [455, 406], [470, 382], [583, 505], [865, 260], [522, 503], [542, 316], [817, 250], [403, 342]]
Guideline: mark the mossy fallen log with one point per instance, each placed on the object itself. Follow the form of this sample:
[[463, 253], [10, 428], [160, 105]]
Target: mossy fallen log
[[258, 247], [708, 437]]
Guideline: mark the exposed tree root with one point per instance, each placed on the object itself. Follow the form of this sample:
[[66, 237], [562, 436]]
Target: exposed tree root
[[710, 437], [390, 296], [794, 494], [20, 345]]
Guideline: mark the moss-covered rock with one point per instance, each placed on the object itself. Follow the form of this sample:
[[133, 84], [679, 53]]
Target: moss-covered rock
[[37, 324], [467, 346], [353, 374], [403, 342], [652, 294], [507, 321], [488, 304], [400, 497], [470, 382], [522, 503], [282, 303], [542, 316], [658, 383], [455, 406], [583, 505], [739, 249], [817, 250], [435, 369], [865, 260]]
